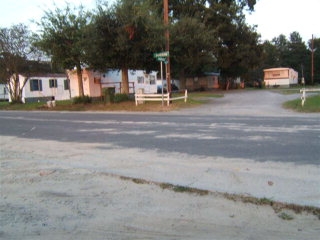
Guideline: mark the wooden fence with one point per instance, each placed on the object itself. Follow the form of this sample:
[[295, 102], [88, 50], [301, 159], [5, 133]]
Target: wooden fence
[[304, 91], [141, 97]]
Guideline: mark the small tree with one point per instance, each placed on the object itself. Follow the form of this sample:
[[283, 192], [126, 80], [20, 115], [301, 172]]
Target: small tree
[[15, 51], [62, 37]]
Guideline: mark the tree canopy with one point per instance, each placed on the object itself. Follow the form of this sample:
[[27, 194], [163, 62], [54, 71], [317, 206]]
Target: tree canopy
[[125, 36], [205, 35], [62, 38], [292, 52], [16, 55]]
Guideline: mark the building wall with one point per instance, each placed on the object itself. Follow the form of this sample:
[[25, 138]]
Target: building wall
[[4, 94], [202, 83], [58, 92], [280, 77], [95, 81], [138, 79]]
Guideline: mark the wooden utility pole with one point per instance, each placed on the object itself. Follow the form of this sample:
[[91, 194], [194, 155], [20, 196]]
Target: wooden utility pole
[[312, 54], [166, 23]]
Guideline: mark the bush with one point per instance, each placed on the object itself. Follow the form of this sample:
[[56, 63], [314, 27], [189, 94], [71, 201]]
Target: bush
[[121, 97], [84, 99]]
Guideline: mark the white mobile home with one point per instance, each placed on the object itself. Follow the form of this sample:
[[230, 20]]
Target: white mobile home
[[283, 77], [4, 96], [44, 87], [138, 79], [95, 81]]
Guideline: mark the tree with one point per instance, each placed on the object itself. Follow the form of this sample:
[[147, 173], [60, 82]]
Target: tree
[[126, 35], [193, 47], [15, 52], [62, 37], [211, 35], [281, 52], [238, 49], [316, 60]]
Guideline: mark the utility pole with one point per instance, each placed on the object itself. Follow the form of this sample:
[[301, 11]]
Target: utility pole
[[167, 47], [312, 54]]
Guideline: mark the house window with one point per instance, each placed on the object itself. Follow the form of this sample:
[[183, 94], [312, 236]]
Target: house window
[[141, 80], [66, 84], [152, 80], [35, 85], [53, 83]]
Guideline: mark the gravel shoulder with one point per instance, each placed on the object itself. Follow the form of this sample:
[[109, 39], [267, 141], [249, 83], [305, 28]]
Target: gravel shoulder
[[247, 103]]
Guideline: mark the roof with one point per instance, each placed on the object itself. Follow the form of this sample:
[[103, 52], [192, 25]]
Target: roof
[[276, 69], [48, 75], [212, 74]]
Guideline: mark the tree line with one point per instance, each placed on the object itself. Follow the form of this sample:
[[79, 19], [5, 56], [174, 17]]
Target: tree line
[[205, 36]]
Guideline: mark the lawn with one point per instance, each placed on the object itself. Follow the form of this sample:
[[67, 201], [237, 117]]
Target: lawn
[[194, 99], [312, 104]]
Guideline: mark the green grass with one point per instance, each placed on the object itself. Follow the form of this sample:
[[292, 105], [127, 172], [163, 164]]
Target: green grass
[[194, 99], [311, 105]]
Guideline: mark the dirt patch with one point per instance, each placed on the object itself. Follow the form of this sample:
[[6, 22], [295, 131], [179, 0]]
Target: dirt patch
[[55, 195]]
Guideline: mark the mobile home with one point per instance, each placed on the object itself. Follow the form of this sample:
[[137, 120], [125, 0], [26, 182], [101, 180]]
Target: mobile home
[[44, 87], [4, 96], [280, 77], [95, 81]]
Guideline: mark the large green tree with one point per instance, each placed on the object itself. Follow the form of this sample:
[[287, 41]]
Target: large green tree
[[216, 35], [126, 36], [283, 52], [62, 37], [239, 49]]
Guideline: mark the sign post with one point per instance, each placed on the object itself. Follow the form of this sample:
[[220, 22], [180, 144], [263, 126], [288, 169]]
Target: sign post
[[162, 57]]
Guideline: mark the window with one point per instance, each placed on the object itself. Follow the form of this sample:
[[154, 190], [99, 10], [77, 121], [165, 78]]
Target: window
[[141, 80], [35, 85], [53, 83], [66, 84], [152, 80]]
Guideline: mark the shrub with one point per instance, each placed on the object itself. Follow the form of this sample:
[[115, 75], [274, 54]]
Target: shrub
[[83, 99], [121, 97]]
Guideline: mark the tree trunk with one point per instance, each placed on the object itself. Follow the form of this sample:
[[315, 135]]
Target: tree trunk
[[125, 80], [14, 88], [80, 83]]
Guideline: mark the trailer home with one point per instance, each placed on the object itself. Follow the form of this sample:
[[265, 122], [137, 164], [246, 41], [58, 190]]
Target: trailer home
[[280, 77], [44, 87]]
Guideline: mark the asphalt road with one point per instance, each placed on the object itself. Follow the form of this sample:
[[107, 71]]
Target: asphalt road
[[66, 175], [294, 138]]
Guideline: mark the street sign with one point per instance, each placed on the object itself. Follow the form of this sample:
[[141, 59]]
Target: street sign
[[161, 54], [161, 59]]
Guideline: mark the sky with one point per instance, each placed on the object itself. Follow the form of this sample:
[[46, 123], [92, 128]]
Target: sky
[[272, 17], [275, 17]]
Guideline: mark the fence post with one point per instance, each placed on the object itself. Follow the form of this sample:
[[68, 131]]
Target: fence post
[[303, 97], [185, 95]]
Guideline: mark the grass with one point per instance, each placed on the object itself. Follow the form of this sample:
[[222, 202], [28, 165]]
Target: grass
[[194, 99], [278, 207], [311, 105], [285, 216]]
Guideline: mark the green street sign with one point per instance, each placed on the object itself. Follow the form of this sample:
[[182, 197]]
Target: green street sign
[[161, 59], [161, 54]]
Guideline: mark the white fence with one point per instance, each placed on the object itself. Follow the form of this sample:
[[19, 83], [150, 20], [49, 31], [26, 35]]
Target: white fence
[[141, 97], [304, 90]]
